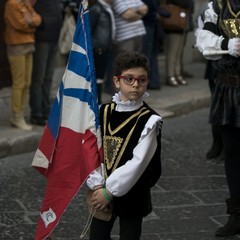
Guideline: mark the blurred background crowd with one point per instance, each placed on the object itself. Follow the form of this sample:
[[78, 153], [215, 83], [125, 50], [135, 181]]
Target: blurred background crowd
[[36, 35]]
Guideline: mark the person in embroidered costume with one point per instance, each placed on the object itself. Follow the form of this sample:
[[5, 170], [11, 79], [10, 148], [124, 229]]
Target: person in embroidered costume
[[131, 133], [221, 32]]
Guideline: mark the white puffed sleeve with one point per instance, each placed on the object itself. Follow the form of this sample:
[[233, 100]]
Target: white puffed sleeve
[[207, 41], [96, 178]]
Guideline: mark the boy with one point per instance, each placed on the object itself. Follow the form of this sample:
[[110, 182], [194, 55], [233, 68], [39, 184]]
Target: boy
[[131, 133]]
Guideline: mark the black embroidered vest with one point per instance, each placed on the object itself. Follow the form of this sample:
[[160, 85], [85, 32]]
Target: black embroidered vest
[[121, 132]]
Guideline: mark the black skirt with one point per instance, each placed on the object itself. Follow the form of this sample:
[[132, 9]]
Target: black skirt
[[225, 107]]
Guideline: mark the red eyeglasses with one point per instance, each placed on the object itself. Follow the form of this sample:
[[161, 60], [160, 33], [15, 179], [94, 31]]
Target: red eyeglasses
[[130, 80]]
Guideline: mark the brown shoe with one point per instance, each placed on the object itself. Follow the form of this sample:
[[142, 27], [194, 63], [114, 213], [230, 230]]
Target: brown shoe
[[172, 81], [180, 80]]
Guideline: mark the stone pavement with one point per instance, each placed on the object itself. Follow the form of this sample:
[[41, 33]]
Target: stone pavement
[[188, 199], [169, 101]]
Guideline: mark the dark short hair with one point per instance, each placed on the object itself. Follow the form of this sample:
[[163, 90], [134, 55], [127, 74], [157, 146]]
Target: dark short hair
[[131, 59]]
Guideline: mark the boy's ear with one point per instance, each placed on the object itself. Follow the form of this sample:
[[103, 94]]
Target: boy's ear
[[116, 82]]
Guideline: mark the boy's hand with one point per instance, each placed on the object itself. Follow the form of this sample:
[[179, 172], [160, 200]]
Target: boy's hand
[[99, 201]]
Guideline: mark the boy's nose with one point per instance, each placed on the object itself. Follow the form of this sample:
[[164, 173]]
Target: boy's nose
[[135, 83]]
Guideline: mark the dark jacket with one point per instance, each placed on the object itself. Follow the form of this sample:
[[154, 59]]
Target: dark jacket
[[152, 15], [101, 25], [50, 27]]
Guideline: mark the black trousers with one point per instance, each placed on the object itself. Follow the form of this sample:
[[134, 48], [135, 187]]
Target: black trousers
[[231, 141], [130, 228]]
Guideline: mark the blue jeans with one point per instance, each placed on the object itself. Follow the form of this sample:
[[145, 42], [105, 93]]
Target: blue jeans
[[150, 49], [43, 70]]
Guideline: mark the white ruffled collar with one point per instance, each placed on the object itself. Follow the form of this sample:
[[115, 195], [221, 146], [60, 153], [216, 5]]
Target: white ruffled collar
[[128, 105]]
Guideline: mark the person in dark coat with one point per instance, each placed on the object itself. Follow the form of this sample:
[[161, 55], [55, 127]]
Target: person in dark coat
[[103, 33], [150, 41], [47, 35]]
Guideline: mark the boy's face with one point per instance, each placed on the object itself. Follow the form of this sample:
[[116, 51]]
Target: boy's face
[[134, 90]]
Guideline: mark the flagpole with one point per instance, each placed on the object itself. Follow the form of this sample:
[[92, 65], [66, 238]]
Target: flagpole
[[217, 52], [70, 148]]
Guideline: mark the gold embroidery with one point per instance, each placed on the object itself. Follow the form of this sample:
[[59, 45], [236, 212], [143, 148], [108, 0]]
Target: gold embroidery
[[126, 141], [111, 146], [112, 132], [105, 118], [232, 27]]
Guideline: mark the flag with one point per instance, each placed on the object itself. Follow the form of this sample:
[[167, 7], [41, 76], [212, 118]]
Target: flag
[[70, 147]]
